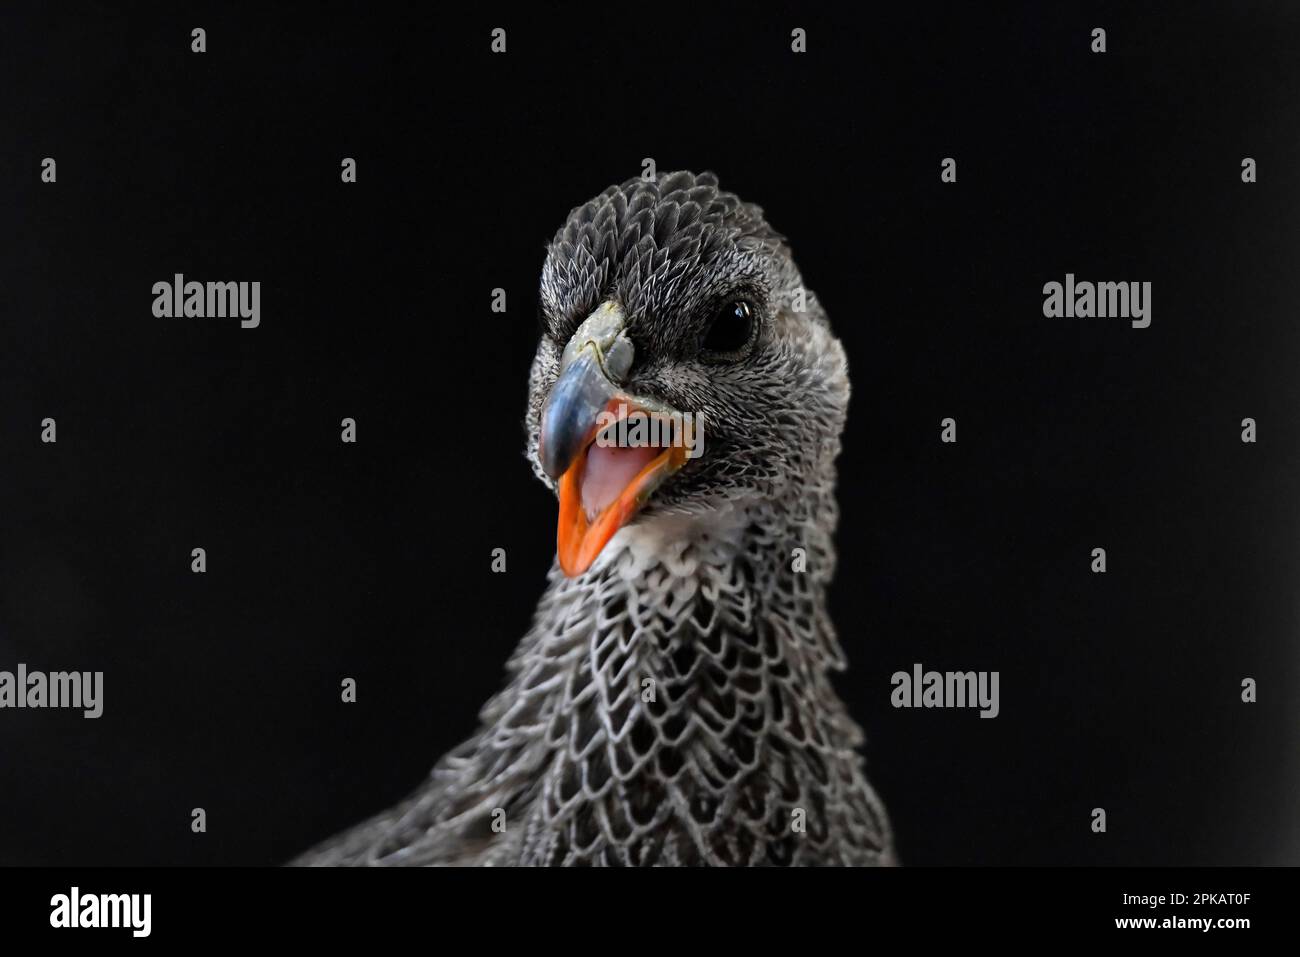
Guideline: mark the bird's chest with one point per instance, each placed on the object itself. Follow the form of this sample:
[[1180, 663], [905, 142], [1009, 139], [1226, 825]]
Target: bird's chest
[[693, 733]]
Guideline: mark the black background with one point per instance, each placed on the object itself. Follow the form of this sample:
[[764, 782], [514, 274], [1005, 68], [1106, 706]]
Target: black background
[[372, 560]]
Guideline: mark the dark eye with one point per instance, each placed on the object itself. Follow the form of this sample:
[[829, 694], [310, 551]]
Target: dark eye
[[730, 331]]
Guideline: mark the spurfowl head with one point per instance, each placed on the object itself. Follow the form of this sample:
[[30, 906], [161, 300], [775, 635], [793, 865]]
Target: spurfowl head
[[682, 367]]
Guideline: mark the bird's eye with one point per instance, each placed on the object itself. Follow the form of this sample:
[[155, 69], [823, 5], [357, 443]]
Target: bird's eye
[[730, 332]]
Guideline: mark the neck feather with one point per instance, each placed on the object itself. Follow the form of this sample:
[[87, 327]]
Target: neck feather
[[674, 705]]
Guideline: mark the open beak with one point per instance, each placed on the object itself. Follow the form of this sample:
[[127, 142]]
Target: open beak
[[603, 479]]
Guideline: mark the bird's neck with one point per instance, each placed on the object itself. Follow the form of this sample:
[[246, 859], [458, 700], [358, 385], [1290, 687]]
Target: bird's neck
[[681, 687]]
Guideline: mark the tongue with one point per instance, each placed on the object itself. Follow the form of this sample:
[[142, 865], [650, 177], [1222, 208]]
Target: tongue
[[610, 469]]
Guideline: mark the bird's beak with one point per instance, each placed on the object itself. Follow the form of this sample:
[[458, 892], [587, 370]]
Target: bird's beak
[[602, 484]]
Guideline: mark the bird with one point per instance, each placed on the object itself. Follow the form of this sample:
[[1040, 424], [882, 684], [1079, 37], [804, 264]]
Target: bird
[[671, 703]]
